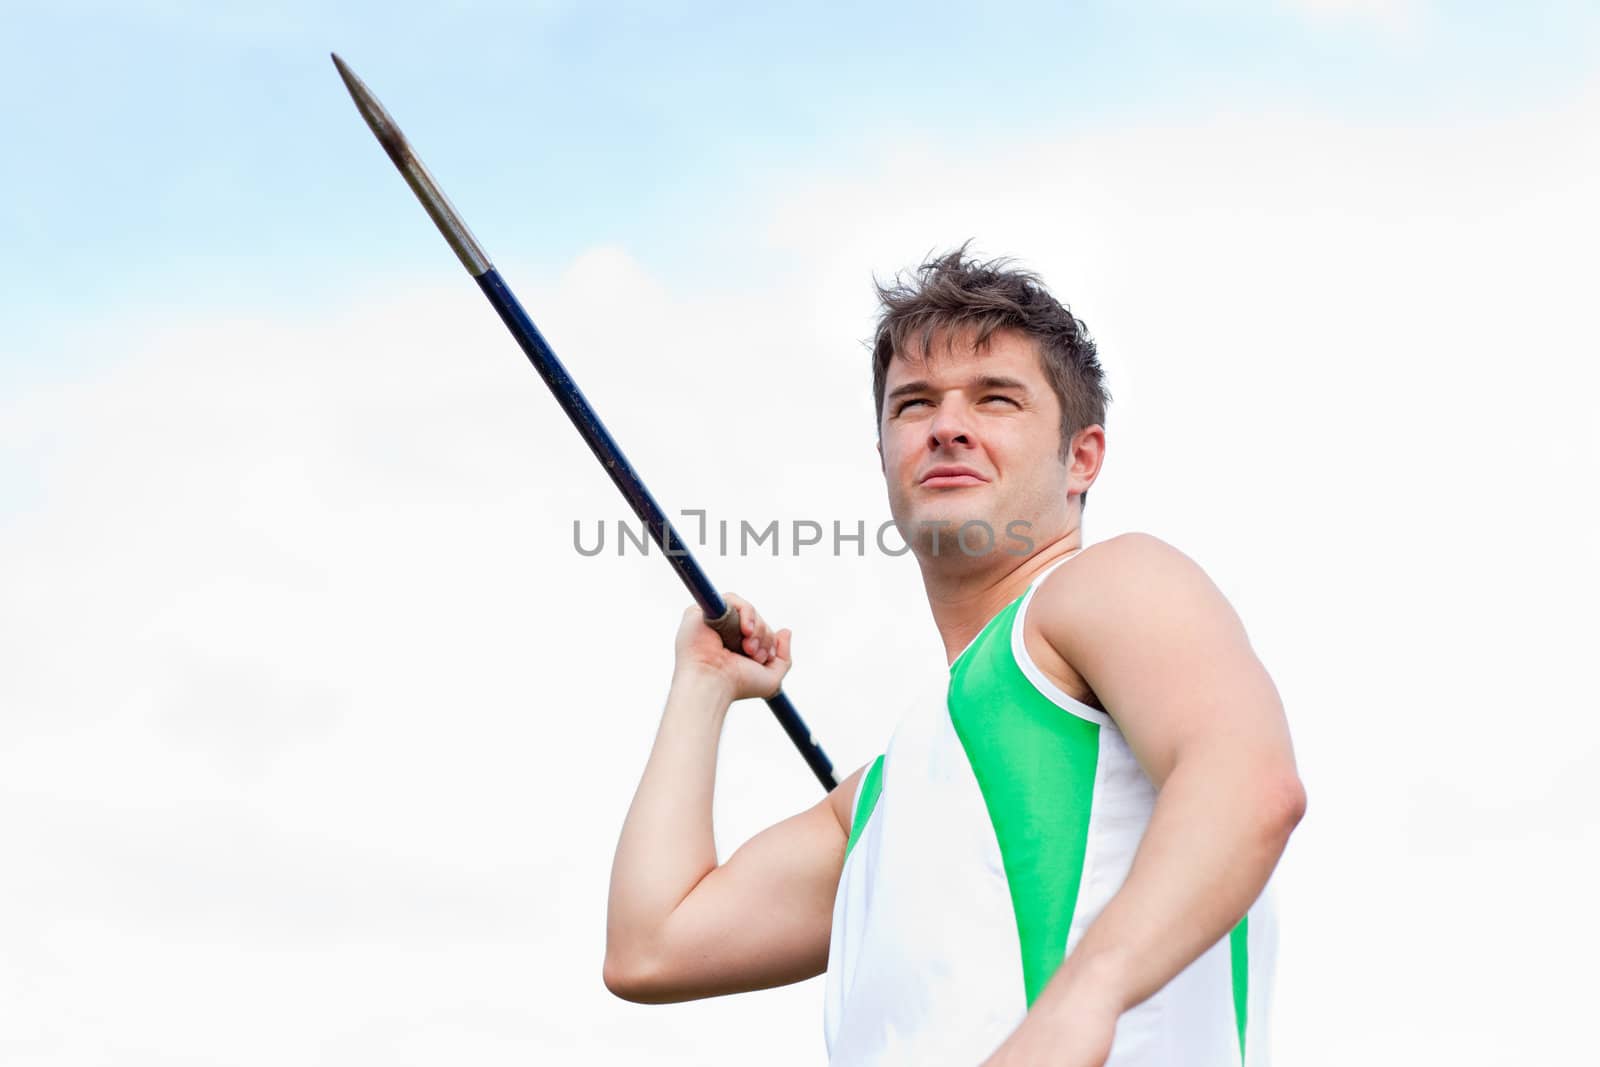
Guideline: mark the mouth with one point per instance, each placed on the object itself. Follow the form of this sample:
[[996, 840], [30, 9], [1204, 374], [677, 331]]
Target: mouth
[[952, 478]]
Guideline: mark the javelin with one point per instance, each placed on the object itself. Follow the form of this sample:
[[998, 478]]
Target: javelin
[[719, 615]]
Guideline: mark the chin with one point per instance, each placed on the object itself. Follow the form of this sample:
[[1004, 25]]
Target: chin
[[954, 517]]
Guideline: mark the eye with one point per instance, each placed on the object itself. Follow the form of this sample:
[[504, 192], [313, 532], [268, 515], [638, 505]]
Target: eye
[[907, 403], [997, 396]]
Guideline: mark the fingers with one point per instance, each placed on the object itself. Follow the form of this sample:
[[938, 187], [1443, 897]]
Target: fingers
[[763, 674], [767, 652], [759, 643]]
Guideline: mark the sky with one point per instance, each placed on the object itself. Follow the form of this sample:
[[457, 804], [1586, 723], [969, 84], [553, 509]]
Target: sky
[[316, 732]]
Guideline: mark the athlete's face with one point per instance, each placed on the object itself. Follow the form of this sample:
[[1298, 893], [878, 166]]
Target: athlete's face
[[974, 437]]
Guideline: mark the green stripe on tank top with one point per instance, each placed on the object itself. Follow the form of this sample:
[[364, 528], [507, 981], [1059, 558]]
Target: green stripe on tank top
[[866, 800], [1035, 765], [1239, 949]]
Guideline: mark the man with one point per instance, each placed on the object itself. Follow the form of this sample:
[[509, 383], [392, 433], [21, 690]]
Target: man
[[1063, 861]]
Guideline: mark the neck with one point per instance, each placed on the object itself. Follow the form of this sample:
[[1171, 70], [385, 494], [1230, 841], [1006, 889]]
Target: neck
[[964, 594]]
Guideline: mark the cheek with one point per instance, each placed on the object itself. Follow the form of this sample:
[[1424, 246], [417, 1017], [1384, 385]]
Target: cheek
[[896, 456]]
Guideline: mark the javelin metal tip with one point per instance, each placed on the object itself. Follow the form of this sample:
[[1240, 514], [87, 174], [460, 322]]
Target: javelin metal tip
[[433, 200], [346, 74], [383, 127]]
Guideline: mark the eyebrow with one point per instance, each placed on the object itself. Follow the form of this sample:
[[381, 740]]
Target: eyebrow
[[987, 381]]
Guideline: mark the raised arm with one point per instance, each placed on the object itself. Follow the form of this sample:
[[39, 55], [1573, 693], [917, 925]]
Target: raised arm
[[678, 926]]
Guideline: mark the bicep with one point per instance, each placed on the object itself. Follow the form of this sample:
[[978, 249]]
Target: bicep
[[761, 919]]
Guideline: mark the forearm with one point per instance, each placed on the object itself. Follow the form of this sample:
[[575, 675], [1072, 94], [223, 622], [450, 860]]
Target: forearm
[[1220, 823], [667, 845]]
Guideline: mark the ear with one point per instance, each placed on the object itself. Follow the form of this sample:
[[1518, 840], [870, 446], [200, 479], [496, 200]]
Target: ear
[[1087, 456], [881, 468]]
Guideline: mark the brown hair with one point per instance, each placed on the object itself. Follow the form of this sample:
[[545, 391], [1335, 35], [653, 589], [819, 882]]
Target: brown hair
[[954, 294]]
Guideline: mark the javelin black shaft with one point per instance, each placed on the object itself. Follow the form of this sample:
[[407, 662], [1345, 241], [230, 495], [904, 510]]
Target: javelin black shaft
[[717, 612]]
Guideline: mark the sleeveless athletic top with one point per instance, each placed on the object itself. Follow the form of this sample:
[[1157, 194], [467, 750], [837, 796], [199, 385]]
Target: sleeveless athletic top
[[984, 841]]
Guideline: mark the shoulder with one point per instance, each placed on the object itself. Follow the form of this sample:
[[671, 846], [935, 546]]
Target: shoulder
[[1133, 546], [1122, 587], [1161, 647], [1129, 557]]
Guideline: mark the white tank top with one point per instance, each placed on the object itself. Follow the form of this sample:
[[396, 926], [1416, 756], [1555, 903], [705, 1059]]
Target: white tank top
[[984, 841]]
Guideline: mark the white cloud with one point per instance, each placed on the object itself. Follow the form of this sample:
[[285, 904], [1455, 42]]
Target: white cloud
[[319, 733]]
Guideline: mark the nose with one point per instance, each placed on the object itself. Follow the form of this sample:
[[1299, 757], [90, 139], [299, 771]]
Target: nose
[[950, 427]]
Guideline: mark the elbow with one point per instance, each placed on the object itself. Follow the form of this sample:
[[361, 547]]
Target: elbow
[[1284, 804], [636, 980], [624, 979]]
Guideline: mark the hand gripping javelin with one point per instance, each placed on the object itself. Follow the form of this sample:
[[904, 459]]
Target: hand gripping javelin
[[719, 615]]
